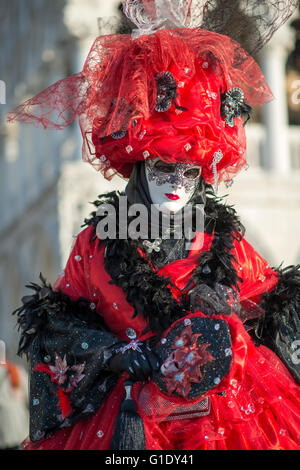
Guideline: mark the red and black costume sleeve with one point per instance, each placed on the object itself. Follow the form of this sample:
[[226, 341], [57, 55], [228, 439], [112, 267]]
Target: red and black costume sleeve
[[279, 328], [68, 346]]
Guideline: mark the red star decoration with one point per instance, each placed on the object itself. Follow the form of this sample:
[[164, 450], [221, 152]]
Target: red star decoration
[[188, 356]]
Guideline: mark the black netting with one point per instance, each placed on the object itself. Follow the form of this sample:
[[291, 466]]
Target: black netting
[[249, 22]]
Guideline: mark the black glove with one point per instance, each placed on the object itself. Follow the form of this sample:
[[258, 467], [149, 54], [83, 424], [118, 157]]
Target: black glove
[[139, 363]]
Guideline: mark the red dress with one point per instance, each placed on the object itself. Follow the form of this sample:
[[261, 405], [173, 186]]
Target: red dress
[[255, 407]]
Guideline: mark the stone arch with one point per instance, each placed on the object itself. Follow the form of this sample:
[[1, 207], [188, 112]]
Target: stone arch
[[38, 254], [28, 254], [258, 243], [10, 298], [297, 260]]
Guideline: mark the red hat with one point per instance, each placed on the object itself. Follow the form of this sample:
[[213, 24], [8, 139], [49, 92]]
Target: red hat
[[180, 94]]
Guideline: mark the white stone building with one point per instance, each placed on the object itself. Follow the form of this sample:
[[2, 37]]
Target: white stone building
[[36, 50]]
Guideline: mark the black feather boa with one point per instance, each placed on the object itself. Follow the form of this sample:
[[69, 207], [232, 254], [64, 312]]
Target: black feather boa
[[283, 302], [149, 293], [279, 328]]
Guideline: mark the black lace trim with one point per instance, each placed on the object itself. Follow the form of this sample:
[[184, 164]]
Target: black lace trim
[[166, 92]]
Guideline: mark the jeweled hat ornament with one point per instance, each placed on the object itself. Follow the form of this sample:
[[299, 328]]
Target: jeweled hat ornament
[[179, 87]]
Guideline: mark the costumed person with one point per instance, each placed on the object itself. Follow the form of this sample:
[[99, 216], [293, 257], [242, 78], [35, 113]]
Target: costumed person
[[14, 416], [152, 343]]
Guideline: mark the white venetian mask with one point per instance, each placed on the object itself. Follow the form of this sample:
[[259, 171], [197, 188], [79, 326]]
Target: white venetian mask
[[171, 185]]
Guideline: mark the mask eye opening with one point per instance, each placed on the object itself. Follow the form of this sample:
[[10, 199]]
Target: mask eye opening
[[164, 167], [192, 173]]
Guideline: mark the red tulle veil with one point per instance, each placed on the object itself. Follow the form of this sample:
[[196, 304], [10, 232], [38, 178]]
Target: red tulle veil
[[114, 98]]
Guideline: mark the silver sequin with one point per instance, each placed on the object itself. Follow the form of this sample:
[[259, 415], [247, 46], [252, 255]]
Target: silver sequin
[[152, 246], [131, 333]]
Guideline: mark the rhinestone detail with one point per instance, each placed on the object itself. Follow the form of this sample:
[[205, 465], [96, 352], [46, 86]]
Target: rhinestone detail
[[131, 333]]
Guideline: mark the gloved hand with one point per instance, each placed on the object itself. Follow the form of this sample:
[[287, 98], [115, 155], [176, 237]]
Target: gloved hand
[[140, 361]]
